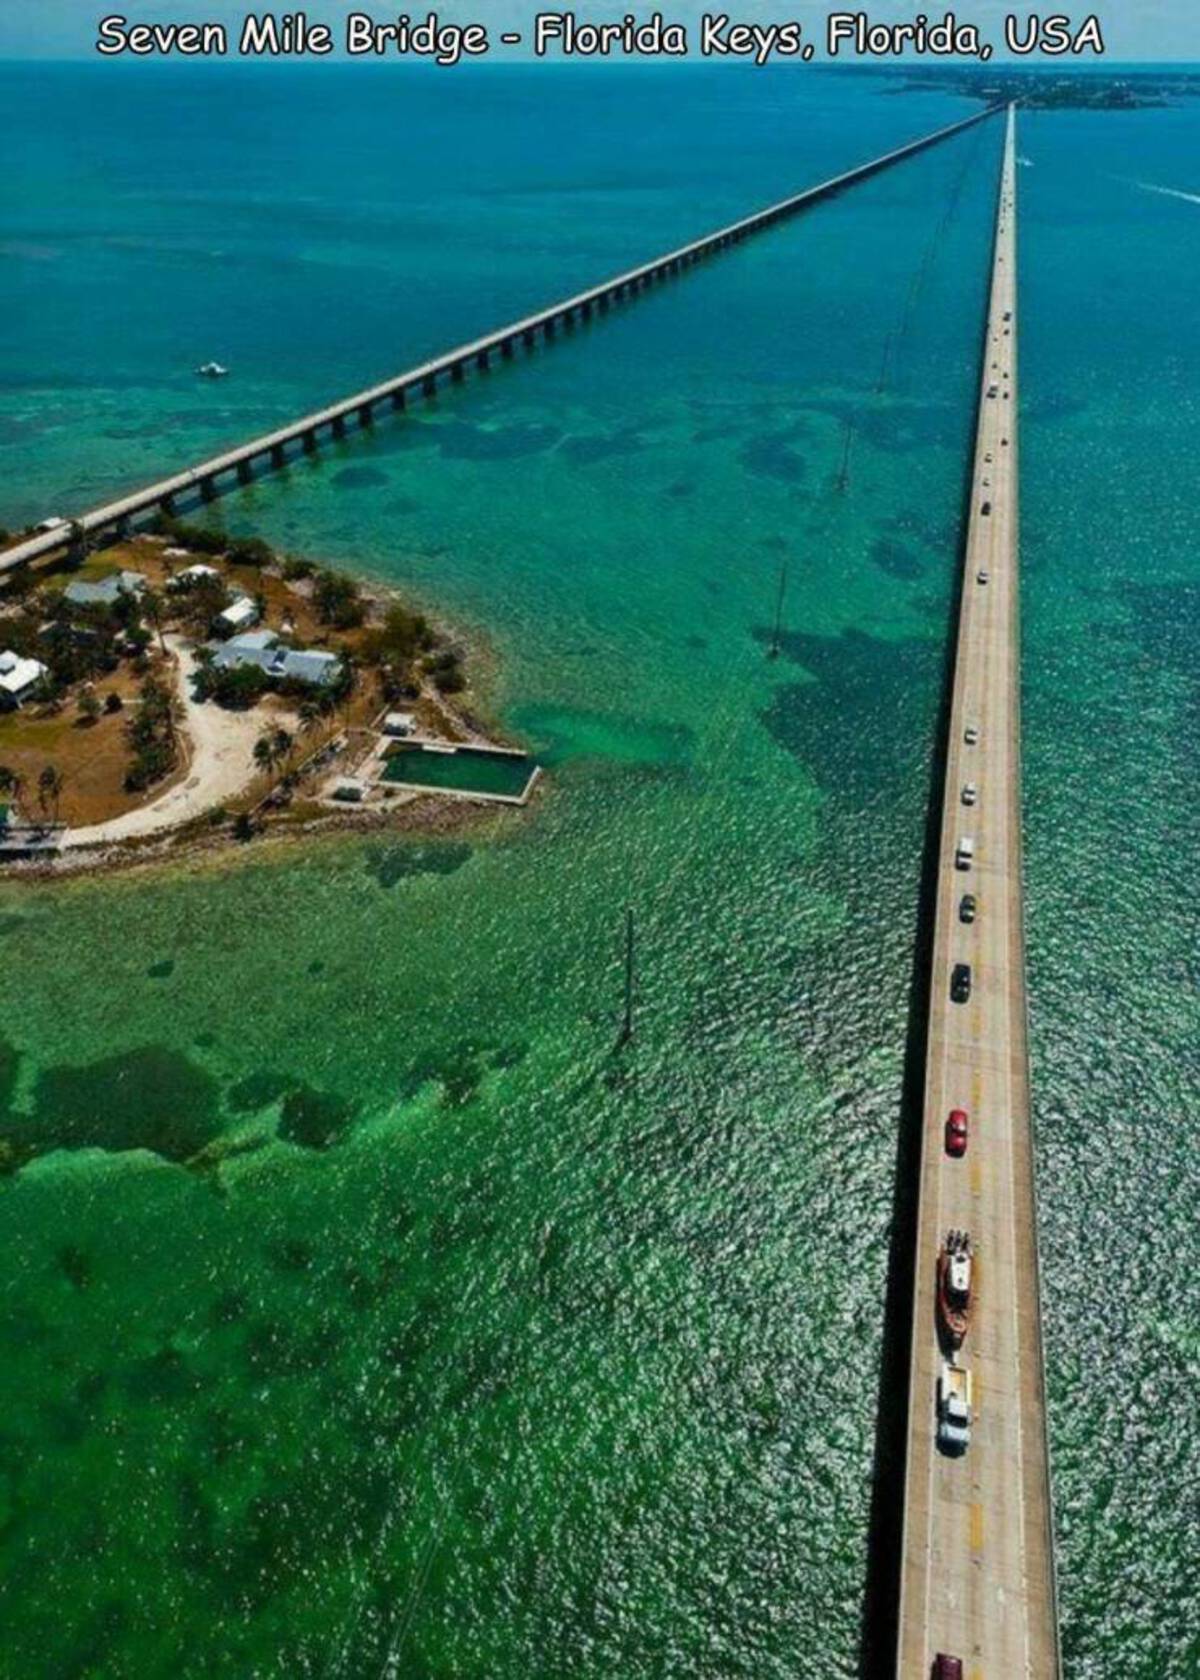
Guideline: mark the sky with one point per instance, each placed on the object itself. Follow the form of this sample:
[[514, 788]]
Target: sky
[[1134, 30]]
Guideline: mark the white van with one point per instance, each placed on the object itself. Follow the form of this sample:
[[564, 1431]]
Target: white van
[[964, 854]]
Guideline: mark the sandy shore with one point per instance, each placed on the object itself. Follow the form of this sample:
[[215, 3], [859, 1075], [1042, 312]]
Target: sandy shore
[[220, 750]]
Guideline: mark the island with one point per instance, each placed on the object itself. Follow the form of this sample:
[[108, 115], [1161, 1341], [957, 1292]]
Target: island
[[186, 688], [1044, 90]]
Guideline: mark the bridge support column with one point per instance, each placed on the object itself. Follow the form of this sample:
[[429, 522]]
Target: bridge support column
[[208, 489], [398, 398], [483, 361], [548, 326], [529, 338], [429, 385], [457, 373], [123, 526], [167, 504], [366, 415], [338, 425], [309, 440], [585, 310], [277, 455], [245, 472], [506, 349]]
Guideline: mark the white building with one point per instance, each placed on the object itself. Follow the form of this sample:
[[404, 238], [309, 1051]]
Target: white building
[[18, 678], [241, 614], [192, 576]]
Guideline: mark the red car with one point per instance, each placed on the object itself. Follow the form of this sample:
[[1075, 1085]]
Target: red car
[[947, 1668], [956, 1132]]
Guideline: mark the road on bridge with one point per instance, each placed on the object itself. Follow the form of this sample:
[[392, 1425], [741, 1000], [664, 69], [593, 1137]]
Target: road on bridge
[[977, 1565]]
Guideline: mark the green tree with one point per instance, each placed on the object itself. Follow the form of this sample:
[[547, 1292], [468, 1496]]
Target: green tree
[[90, 707], [50, 787], [266, 754], [152, 607]]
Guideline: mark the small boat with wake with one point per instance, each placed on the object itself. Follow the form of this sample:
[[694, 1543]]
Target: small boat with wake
[[212, 370], [955, 1268]]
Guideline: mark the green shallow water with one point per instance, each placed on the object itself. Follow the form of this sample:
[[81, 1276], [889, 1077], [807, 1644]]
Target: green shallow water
[[464, 1344], [462, 771]]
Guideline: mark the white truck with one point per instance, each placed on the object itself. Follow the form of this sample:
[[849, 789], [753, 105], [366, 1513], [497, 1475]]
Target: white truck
[[964, 852], [953, 1408]]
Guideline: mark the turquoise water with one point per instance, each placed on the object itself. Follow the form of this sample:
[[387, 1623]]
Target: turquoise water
[[464, 1344]]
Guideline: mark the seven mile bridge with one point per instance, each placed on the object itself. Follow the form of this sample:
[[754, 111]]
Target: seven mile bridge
[[977, 1585]]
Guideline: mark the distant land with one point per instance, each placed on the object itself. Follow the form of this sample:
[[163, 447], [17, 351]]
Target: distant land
[[1129, 89]]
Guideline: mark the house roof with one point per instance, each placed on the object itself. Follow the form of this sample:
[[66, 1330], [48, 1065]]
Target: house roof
[[103, 592], [192, 574], [252, 647], [17, 674], [241, 610], [261, 648], [308, 665]]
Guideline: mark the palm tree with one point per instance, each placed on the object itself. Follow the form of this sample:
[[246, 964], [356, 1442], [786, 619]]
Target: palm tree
[[152, 606], [266, 752], [50, 786], [284, 743], [13, 784]]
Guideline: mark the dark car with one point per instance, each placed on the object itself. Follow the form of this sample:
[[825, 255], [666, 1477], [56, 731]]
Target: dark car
[[956, 1132], [947, 1668], [960, 983], [967, 907]]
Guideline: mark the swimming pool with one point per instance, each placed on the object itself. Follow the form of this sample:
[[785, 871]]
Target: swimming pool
[[478, 770]]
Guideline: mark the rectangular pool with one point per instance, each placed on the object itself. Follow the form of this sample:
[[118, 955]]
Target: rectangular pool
[[465, 770]]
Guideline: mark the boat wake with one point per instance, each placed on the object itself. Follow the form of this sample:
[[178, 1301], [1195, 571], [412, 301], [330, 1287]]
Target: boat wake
[[1167, 192]]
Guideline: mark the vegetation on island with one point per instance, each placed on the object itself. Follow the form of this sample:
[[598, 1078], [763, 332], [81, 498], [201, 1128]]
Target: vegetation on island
[[103, 725], [1046, 90]]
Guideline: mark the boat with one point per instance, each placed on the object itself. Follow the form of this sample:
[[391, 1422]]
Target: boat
[[212, 370], [954, 1280]]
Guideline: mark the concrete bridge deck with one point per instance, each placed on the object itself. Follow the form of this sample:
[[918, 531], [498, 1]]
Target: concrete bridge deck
[[977, 1564], [270, 450]]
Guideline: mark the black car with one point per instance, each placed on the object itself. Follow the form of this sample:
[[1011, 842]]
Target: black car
[[960, 983], [967, 907]]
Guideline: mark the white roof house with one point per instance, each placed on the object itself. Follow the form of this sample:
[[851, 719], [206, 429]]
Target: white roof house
[[190, 576], [399, 723], [240, 614], [18, 677]]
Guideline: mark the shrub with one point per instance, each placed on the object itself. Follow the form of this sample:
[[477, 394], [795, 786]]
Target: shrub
[[237, 689], [251, 551], [338, 601]]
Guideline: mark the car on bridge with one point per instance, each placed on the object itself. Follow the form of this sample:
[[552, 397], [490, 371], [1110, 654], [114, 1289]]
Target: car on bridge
[[956, 1132], [981, 575], [960, 983], [967, 906], [971, 735], [947, 1668]]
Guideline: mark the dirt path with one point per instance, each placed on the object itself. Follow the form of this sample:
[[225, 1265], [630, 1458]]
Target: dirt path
[[221, 754]]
